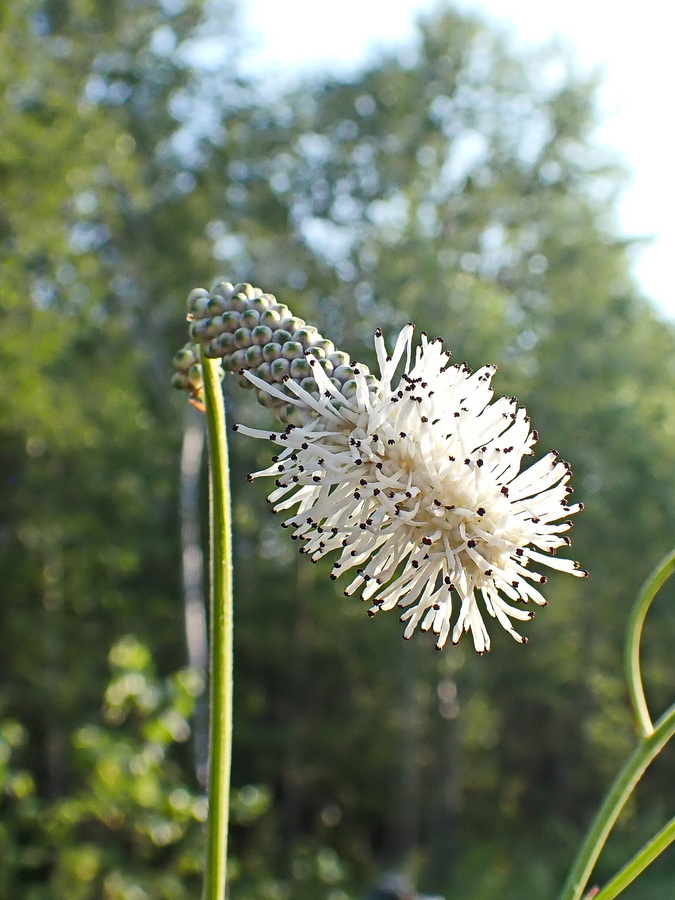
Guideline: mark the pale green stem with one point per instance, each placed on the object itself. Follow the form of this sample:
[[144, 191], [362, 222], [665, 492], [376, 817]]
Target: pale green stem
[[220, 645], [638, 863], [649, 590], [652, 739], [614, 802]]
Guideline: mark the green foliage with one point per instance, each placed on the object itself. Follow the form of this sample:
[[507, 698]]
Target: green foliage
[[458, 186], [131, 825]]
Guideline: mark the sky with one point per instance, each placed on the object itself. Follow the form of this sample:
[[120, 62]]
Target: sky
[[634, 53]]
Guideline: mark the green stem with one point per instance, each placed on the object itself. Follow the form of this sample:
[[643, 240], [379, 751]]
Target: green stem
[[632, 660], [614, 802], [220, 645], [638, 863]]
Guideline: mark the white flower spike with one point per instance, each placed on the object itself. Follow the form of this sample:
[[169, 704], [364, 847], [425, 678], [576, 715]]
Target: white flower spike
[[418, 488]]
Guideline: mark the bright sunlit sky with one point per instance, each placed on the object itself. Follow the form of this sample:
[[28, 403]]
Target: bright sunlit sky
[[630, 43]]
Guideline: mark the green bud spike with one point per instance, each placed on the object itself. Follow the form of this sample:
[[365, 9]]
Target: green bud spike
[[251, 331]]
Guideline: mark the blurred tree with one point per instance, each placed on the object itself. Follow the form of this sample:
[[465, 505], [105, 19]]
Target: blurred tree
[[94, 181], [131, 824], [456, 184]]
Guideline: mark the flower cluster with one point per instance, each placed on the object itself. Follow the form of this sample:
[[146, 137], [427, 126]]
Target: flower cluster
[[414, 481], [252, 333]]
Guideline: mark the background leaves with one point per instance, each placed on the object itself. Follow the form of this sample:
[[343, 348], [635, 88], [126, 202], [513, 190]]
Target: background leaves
[[459, 187]]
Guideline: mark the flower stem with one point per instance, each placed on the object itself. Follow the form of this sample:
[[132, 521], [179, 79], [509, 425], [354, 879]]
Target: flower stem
[[639, 862], [632, 659], [220, 645], [623, 786]]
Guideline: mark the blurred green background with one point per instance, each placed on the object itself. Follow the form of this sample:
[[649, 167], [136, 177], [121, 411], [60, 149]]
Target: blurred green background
[[459, 187]]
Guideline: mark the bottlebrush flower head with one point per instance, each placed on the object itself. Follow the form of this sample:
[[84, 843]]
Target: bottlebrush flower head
[[413, 481]]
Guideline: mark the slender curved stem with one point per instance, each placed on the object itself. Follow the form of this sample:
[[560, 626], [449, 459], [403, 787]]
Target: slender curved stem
[[220, 645], [639, 862], [615, 800], [632, 659]]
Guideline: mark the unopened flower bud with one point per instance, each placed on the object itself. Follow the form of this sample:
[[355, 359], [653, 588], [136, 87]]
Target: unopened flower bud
[[180, 381], [216, 306], [250, 318], [328, 347], [315, 351], [242, 338], [283, 311], [281, 336], [349, 388], [280, 368], [292, 324], [262, 304], [300, 369], [230, 321], [222, 289], [306, 335], [268, 401], [238, 359], [264, 372], [247, 290], [239, 302], [197, 329], [254, 356], [195, 376], [270, 318], [308, 384], [226, 342], [292, 350], [261, 335], [271, 351], [343, 373], [185, 357], [339, 358]]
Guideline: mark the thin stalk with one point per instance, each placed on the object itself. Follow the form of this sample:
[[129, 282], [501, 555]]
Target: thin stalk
[[623, 786], [638, 863], [634, 633], [220, 645]]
